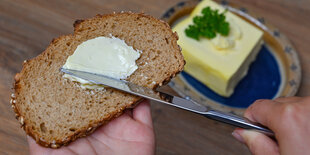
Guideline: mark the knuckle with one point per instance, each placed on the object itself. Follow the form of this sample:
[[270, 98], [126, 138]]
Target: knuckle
[[288, 112], [248, 110], [259, 102]]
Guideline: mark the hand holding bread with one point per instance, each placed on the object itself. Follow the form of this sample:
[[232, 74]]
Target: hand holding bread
[[55, 111]]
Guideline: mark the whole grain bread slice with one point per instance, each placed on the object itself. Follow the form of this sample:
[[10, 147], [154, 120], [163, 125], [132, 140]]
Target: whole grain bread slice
[[55, 111]]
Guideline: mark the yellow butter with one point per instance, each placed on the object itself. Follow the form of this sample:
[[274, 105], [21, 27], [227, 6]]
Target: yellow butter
[[108, 56], [220, 64]]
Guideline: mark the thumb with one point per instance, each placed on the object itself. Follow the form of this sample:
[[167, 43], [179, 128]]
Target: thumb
[[258, 143]]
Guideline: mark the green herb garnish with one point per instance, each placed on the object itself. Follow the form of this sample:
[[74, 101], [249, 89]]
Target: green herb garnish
[[207, 25]]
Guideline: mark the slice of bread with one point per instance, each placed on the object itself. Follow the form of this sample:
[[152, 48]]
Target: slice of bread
[[55, 111]]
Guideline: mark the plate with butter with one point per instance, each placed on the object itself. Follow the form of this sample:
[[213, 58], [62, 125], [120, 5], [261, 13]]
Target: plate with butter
[[233, 57]]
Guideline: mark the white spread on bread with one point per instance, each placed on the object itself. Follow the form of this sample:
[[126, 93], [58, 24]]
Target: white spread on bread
[[108, 56]]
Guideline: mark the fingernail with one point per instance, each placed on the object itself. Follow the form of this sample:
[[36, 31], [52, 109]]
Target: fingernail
[[237, 136]]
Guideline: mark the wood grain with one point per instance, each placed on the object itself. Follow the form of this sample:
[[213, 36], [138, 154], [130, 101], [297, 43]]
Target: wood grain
[[28, 26]]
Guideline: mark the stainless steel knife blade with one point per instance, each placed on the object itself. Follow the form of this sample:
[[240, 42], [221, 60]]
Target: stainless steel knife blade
[[169, 99]]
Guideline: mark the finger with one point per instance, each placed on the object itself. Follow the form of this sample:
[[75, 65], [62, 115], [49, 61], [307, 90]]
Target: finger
[[293, 99], [262, 111], [142, 113], [258, 143]]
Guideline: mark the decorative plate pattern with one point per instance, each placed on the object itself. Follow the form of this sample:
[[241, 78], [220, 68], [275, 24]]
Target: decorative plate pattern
[[276, 71]]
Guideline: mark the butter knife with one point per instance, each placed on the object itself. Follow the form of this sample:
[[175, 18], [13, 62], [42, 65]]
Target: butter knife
[[175, 101]]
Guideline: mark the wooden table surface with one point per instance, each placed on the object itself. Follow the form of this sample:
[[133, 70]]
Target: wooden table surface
[[28, 26]]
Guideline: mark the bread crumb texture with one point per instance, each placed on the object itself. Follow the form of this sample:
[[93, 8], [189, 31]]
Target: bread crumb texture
[[56, 111]]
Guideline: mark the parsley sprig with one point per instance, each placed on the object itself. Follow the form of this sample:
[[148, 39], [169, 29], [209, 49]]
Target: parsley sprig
[[208, 25]]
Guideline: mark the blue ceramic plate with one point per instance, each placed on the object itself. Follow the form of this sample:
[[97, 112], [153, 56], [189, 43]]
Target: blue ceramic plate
[[275, 72]]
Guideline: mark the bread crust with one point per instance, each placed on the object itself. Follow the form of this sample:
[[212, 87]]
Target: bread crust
[[90, 129]]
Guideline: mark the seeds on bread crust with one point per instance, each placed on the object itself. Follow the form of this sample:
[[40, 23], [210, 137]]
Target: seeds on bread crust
[[13, 96]]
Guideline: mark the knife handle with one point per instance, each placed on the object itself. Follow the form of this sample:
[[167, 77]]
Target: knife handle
[[237, 121]]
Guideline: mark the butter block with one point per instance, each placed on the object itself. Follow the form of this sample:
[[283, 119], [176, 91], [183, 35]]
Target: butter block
[[220, 63]]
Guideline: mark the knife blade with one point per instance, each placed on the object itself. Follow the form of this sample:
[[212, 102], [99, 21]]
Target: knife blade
[[175, 101]]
